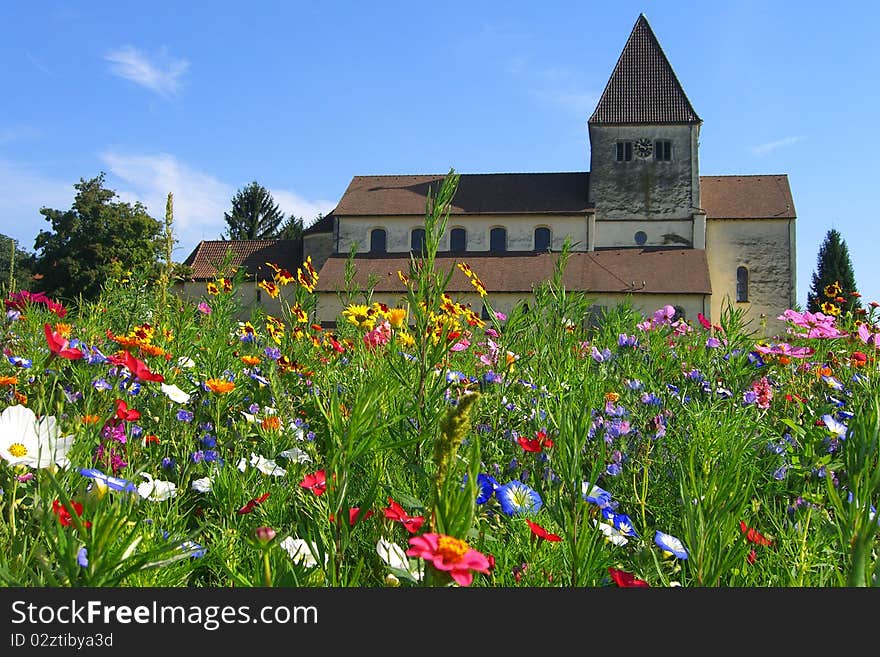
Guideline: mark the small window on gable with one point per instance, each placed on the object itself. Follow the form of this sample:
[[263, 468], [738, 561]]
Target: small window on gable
[[498, 240], [742, 284], [624, 151], [663, 150], [543, 239], [417, 241], [458, 239], [377, 240]]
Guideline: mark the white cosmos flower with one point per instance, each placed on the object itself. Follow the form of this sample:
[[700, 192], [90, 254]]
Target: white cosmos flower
[[185, 361], [203, 485], [296, 454], [301, 551], [396, 558], [175, 394], [267, 466], [24, 440], [156, 490]]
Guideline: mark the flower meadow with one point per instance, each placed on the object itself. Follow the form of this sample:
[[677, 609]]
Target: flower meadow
[[151, 441]]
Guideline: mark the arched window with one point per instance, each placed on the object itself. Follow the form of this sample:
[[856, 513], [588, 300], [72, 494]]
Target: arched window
[[417, 241], [458, 239], [498, 240], [742, 284], [377, 240], [543, 238]]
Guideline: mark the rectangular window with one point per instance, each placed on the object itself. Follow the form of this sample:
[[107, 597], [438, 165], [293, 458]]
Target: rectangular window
[[624, 151], [663, 150]]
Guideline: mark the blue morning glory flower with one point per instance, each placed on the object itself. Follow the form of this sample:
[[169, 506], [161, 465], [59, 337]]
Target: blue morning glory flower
[[486, 486], [595, 495], [835, 427], [18, 361], [516, 498], [113, 483], [670, 544]]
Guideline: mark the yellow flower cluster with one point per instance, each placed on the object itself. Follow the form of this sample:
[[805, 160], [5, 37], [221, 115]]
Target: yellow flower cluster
[[473, 278]]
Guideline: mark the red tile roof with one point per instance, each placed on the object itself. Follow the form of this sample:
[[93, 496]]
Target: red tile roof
[[724, 197], [250, 254], [643, 87], [648, 271]]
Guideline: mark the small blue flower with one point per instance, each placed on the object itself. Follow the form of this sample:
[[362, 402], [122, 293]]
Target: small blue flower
[[272, 353], [516, 498], [18, 361], [101, 384], [168, 463], [195, 550], [184, 415], [595, 495], [486, 486], [670, 544], [82, 557], [113, 483]]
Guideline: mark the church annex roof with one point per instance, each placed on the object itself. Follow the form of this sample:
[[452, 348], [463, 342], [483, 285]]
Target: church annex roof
[[643, 87], [640, 271], [723, 197], [252, 255]]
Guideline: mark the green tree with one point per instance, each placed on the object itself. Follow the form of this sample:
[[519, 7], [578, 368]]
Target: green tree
[[97, 239], [292, 228], [833, 266], [15, 266], [254, 216]]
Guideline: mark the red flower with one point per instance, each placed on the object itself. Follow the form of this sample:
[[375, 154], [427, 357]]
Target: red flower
[[536, 444], [124, 413], [63, 514], [540, 532], [247, 508], [412, 524], [450, 555], [753, 535], [59, 346], [140, 369], [859, 359], [626, 580], [354, 515], [316, 482]]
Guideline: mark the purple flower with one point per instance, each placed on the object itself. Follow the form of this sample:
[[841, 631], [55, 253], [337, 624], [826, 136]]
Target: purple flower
[[713, 343], [82, 557], [272, 353], [184, 415]]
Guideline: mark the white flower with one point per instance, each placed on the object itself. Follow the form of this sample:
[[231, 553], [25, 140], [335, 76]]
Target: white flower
[[242, 464], [395, 557], [175, 394], [611, 534], [267, 466], [156, 490], [301, 551], [203, 485], [185, 361], [296, 454], [24, 440]]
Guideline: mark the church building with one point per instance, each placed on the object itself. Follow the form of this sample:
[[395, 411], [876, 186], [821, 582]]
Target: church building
[[645, 225]]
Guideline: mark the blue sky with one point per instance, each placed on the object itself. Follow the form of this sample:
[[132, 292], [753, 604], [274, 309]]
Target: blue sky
[[199, 99]]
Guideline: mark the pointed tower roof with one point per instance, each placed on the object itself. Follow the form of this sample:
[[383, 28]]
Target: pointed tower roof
[[643, 87]]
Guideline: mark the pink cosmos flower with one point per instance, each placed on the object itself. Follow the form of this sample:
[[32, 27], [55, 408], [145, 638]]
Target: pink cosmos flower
[[449, 554], [867, 337], [378, 336]]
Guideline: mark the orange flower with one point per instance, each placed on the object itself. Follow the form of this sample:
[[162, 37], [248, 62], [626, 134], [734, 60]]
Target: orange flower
[[90, 419], [271, 423], [250, 360], [611, 396], [8, 380], [150, 439], [63, 330], [21, 398], [220, 386]]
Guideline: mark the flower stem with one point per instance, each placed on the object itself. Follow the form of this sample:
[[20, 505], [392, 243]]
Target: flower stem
[[267, 568]]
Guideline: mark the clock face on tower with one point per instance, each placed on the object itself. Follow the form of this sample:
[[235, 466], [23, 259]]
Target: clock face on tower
[[643, 148]]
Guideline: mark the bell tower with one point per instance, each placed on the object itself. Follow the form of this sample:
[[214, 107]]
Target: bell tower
[[644, 137]]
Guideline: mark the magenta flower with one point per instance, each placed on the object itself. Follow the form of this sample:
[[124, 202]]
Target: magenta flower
[[450, 555]]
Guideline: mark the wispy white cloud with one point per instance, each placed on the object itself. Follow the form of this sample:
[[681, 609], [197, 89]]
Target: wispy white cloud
[[770, 146], [23, 191], [581, 103], [37, 63], [200, 199], [19, 133], [162, 76]]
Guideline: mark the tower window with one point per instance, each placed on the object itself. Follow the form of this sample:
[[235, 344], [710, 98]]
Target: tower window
[[543, 238], [742, 284], [377, 240], [498, 240], [663, 150], [417, 241], [624, 151], [458, 239]]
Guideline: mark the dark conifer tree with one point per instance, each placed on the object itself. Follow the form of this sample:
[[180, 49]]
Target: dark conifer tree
[[833, 279]]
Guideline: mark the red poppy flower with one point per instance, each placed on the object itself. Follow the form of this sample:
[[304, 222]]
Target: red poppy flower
[[252, 504], [59, 345], [536, 444], [627, 580], [63, 514], [753, 535], [542, 533], [412, 524], [124, 413], [140, 369], [316, 482]]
